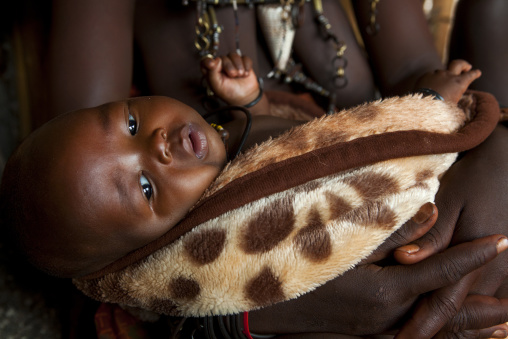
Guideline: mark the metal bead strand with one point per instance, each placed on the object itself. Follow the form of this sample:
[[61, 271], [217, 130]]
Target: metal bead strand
[[373, 27]]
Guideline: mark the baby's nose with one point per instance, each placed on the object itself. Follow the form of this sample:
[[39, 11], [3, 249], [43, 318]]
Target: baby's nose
[[161, 146]]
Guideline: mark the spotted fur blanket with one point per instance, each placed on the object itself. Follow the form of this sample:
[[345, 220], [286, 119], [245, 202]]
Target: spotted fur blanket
[[299, 210]]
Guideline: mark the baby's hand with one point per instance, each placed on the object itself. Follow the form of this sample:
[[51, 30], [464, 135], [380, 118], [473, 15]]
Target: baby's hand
[[450, 83], [231, 78]]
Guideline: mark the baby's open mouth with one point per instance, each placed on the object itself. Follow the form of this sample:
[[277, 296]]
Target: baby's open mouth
[[198, 140]]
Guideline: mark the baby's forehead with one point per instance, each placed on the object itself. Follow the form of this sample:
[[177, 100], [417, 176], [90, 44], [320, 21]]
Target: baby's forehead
[[63, 152]]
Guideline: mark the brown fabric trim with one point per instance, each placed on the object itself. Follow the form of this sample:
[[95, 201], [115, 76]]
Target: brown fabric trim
[[333, 159]]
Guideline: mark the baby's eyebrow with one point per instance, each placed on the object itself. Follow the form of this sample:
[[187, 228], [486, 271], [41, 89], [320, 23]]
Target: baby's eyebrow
[[105, 119]]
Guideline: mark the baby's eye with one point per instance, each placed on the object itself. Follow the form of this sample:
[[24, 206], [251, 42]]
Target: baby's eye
[[146, 186], [133, 125]]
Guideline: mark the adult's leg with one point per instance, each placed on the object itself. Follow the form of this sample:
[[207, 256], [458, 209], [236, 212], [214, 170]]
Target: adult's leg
[[90, 53], [479, 36]]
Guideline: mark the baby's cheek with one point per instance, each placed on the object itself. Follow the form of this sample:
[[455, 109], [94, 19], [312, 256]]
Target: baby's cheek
[[200, 180], [148, 232]]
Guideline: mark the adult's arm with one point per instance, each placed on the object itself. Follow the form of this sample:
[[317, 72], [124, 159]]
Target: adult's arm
[[479, 36], [371, 299], [472, 202], [90, 53], [403, 49]]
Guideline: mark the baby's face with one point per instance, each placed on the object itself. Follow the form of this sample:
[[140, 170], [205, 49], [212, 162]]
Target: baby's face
[[133, 169]]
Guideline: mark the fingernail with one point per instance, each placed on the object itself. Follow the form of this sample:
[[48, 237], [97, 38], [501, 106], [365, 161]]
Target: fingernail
[[499, 334], [409, 249], [425, 212], [502, 245]]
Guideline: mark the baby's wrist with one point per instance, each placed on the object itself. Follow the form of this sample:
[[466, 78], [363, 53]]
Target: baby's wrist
[[259, 96], [250, 100], [429, 92]]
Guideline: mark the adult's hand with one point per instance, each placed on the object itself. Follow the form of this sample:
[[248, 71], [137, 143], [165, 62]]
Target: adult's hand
[[472, 203], [371, 299], [472, 200]]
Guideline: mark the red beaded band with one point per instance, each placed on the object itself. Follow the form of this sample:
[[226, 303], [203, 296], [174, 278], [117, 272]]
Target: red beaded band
[[246, 325]]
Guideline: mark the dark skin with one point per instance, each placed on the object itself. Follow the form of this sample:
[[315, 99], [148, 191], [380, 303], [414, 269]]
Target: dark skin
[[104, 73], [470, 176], [232, 78], [479, 36], [157, 20], [386, 302], [465, 200], [130, 170], [403, 49], [109, 38], [467, 180]]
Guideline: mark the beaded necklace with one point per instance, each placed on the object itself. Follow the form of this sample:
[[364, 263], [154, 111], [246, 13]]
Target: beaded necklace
[[224, 134], [278, 20], [373, 27]]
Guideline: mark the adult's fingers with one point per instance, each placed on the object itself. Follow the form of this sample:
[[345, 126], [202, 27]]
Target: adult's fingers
[[434, 311], [488, 314], [436, 239], [479, 317], [413, 229], [473, 334], [498, 331], [450, 266], [458, 66]]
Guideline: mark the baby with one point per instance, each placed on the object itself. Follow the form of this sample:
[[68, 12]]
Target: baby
[[92, 185]]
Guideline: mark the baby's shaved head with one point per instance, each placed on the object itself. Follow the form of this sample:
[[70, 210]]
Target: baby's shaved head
[[92, 185], [50, 210], [35, 211]]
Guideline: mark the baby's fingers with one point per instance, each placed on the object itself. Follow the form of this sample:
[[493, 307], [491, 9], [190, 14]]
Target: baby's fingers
[[458, 66], [471, 76], [247, 63], [209, 64], [233, 65]]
